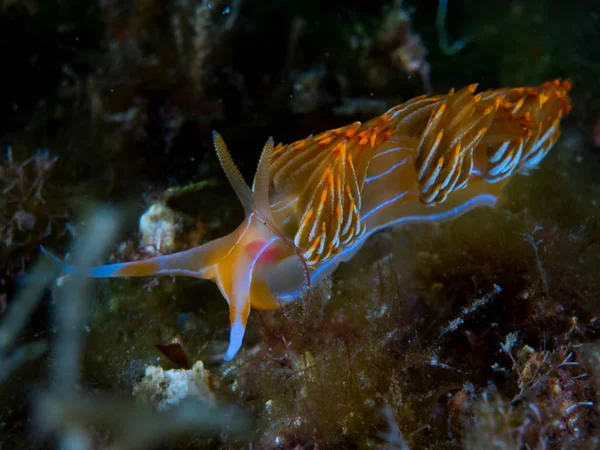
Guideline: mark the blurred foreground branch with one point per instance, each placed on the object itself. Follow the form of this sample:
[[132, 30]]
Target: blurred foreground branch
[[66, 412], [135, 427]]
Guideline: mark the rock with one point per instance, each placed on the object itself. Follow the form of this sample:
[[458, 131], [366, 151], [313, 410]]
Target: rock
[[168, 388]]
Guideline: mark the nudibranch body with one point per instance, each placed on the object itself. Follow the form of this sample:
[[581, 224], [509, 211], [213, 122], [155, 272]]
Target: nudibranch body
[[313, 203]]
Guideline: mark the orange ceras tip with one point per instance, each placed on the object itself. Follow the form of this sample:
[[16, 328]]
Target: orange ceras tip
[[373, 137], [438, 157]]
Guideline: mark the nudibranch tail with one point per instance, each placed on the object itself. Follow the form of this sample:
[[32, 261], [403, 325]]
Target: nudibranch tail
[[198, 262]]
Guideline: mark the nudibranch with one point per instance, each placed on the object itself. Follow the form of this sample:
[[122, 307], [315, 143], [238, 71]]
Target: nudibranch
[[314, 202]]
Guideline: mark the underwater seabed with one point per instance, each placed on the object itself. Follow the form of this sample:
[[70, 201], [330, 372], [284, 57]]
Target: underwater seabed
[[481, 332], [478, 330]]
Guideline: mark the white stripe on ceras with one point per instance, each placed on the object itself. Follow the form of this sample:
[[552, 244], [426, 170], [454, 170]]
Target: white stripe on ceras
[[428, 182], [416, 107], [317, 217], [430, 156], [500, 152]]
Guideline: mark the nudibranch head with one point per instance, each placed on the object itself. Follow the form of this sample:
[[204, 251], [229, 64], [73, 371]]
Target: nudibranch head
[[260, 256]]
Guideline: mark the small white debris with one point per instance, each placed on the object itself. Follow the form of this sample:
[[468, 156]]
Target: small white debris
[[159, 226], [166, 389]]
